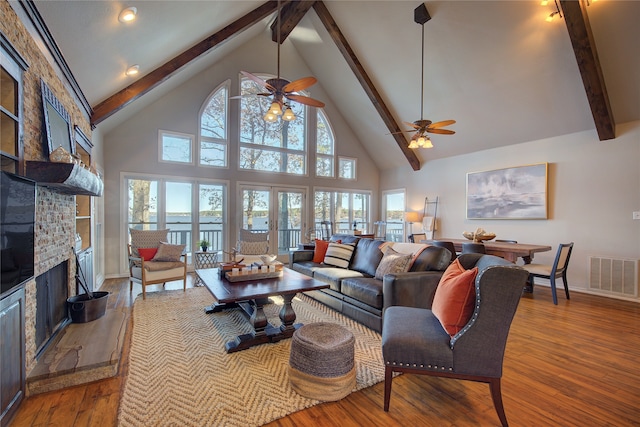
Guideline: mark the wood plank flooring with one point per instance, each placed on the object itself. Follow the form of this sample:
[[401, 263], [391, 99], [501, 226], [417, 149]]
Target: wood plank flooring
[[574, 364]]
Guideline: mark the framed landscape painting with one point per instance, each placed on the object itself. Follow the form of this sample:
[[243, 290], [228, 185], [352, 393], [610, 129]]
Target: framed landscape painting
[[512, 193]]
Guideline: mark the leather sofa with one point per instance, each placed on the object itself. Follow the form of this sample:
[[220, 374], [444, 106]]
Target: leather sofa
[[356, 293]]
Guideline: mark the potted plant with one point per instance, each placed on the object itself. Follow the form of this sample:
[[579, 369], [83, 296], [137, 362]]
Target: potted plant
[[204, 244]]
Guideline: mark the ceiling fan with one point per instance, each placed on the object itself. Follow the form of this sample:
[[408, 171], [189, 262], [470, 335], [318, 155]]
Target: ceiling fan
[[422, 127], [283, 90]]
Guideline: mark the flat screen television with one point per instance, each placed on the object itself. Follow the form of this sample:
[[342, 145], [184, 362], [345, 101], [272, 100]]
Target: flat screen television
[[17, 221]]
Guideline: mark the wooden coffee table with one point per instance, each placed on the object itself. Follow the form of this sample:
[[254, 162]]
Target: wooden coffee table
[[251, 296]]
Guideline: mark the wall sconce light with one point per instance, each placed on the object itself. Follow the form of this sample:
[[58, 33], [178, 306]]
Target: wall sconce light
[[128, 15], [552, 15]]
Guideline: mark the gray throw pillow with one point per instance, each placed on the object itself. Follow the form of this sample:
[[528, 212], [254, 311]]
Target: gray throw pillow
[[168, 252]]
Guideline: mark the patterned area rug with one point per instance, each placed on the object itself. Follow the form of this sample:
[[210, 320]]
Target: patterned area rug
[[180, 374]]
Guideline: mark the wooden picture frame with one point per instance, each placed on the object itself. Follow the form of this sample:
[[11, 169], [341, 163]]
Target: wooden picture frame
[[511, 193], [57, 122]]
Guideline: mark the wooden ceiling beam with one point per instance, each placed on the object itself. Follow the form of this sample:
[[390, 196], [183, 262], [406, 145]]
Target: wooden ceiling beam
[[291, 14], [143, 85], [365, 81], [584, 48]]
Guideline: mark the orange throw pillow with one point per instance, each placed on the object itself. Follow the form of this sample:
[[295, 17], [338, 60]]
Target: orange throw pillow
[[320, 250], [147, 253], [455, 297]]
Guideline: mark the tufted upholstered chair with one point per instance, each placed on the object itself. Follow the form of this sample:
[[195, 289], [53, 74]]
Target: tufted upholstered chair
[[414, 341]]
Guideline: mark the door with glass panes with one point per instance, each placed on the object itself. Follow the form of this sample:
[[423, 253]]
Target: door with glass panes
[[278, 210]]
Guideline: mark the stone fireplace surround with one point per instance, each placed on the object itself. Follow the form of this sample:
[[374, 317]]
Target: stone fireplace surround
[[54, 241]]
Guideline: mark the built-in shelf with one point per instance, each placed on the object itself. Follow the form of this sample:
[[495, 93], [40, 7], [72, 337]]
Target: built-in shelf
[[67, 178]]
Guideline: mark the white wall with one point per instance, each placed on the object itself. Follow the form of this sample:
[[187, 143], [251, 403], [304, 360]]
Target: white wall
[[594, 186], [133, 145]]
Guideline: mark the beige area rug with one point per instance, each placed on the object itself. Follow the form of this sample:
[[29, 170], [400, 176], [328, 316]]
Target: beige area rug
[[180, 374]]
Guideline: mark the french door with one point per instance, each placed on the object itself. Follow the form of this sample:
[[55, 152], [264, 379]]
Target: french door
[[278, 210]]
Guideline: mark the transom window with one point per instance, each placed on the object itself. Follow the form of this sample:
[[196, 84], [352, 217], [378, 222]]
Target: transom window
[[214, 128], [346, 168], [279, 147], [324, 147], [270, 147], [175, 147]]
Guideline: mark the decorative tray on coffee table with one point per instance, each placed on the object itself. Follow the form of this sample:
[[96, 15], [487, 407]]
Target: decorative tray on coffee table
[[241, 276]]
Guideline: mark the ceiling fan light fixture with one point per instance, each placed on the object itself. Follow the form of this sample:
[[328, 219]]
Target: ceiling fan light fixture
[[275, 108], [128, 15], [288, 115], [413, 144], [427, 143], [270, 117]]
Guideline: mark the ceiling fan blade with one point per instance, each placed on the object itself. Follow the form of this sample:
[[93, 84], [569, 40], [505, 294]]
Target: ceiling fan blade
[[441, 124], [300, 84], [441, 131], [413, 125], [258, 80], [305, 100]]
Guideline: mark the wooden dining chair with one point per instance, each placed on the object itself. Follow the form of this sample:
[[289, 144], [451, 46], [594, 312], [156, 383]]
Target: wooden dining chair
[[473, 248]]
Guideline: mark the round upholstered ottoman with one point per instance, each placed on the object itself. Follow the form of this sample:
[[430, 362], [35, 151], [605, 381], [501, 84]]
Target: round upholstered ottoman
[[321, 362]]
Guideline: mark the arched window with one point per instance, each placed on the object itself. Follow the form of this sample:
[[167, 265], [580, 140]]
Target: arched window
[[325, 153], [270, 147], [214, 128]]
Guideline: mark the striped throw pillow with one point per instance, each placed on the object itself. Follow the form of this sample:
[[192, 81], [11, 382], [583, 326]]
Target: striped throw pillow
[[339, 254]]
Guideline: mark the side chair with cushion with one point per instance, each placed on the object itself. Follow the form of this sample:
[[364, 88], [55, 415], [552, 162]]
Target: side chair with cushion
[[447, 245], [153, 261], [551, 272], [251, 245], [380, 230], [463, 333], [473, 248], [417, 237]]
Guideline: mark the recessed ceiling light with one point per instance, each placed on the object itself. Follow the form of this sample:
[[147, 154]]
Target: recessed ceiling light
[[133, 70], [128, 14]]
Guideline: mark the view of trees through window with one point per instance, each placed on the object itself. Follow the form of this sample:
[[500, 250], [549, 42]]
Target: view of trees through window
[[271, 147], [345, 209], [158, 203], [213, 128]]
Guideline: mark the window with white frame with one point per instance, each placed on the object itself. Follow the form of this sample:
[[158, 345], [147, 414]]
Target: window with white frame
[[192, 209], [346, 168], [270, 147], [214, 128], [324, 147], [175, 147], [347, 210]]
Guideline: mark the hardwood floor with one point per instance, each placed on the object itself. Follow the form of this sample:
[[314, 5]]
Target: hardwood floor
[[574, 364]]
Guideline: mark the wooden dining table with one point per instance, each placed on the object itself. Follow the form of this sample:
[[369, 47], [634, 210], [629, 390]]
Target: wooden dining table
[[508, 251]]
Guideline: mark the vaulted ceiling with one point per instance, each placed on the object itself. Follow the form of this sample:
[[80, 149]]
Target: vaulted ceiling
[[497, 67]]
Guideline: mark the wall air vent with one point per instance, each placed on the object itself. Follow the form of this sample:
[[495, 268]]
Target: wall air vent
[[614, 276]]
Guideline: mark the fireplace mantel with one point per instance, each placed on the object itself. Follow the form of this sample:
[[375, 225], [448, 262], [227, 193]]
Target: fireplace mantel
[[67, 178]]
